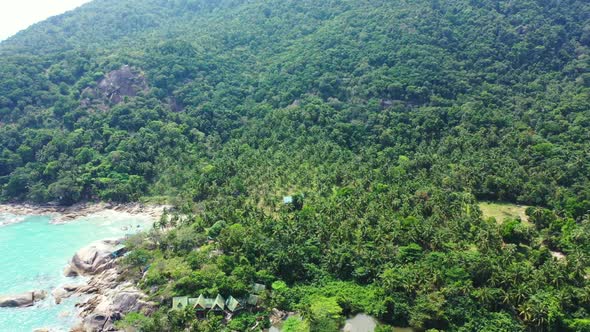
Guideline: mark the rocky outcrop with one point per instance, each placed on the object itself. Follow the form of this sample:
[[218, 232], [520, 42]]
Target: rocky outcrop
[[111, 302], [22, 300], [67, 291], [114, 87], [110, 299], [277, 316], [92, 259], [558, 255]]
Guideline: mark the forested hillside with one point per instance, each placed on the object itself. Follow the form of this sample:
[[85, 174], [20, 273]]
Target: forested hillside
[[387, 120]]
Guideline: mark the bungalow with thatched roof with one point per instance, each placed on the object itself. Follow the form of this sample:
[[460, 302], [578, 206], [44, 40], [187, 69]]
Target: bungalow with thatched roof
[[202, 303]]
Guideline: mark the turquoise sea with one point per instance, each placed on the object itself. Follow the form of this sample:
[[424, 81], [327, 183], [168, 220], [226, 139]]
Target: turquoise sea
[[33, 255]]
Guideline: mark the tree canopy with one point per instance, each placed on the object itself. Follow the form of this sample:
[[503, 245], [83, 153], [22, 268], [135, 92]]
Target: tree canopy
[[386, 121]]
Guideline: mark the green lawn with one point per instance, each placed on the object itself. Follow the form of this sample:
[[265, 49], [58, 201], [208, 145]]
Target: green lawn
[[501, 211]]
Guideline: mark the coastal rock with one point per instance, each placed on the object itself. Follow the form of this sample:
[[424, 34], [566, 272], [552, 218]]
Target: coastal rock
[[100, 312], [59, 294], [22, 300], [74, 288], [66, 291], [112, 299], [69, 272], [92, 259], [128, 299]]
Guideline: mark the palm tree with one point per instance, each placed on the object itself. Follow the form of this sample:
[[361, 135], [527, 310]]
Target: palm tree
[[583, 295], [526, 312], [487, 296], [519, 293]]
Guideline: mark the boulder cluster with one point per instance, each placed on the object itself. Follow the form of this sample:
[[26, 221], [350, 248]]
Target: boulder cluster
[[106, 298]]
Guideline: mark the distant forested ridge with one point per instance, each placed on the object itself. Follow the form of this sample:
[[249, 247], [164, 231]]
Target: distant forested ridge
[[387, 121]]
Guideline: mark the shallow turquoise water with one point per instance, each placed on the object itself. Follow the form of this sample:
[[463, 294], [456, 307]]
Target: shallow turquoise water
[[33, 255]]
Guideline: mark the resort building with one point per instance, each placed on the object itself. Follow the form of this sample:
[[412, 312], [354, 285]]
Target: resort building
[[202, 305]]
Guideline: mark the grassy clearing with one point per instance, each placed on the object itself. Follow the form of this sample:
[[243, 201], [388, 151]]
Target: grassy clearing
[[502, 211]]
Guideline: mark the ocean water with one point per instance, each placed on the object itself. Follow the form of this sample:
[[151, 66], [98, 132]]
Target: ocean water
[[33, 255]]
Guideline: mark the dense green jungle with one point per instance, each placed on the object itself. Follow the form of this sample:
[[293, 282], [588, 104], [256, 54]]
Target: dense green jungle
[[386, 122]]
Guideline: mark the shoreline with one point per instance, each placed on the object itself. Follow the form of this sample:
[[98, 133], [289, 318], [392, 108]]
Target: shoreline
[[65, 214], [99, 289]]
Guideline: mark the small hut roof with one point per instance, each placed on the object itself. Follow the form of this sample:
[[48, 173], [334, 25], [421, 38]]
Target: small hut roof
[[258, 288], [218, 303], [203, 303], [179, 302], [253, 300], [232, 304], [118, 251], [118, 247]]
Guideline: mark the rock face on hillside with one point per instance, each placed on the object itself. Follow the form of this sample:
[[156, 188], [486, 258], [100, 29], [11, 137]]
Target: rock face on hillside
[[114, 87], [21, 300]]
